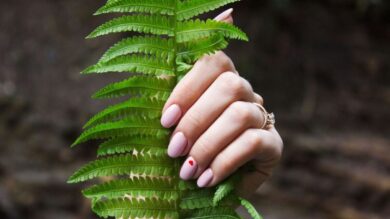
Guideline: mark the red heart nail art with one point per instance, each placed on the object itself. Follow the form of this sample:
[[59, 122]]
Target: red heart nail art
[[191, 162]]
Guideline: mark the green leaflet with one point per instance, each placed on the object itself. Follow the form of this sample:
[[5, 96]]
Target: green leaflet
[[137, 85], [203, 198], [124, 165], [140, 180], [149, 45], [141, 6], [153, 24], [189, 9], [251, 209], [193, 50], [136, 107], [226, 187], [133, 208], [149, 188], [151, 146], [133, 63], [197, 29], [123, 128]]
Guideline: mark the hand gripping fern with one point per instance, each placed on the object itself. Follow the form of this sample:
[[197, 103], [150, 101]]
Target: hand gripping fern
[[138, 179]]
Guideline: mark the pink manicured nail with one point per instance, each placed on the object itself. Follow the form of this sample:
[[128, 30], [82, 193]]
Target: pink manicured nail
[[188, 169], [205, 178], [177, 145], [171, 116], [224, 15]]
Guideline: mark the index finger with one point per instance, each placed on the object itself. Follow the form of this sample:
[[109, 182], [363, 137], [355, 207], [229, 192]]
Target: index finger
[[201, 76]]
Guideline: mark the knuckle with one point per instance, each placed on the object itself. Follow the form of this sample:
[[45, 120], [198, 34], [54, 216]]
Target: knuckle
[[224, 62], [220, 60], [201, 151], [254, 140], [278, 149], [272, 147], [190, 122], [241, 112], [260, 99], [233, 84], [225, 167]]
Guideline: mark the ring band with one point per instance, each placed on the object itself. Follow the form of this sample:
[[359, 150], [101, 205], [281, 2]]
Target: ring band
[[269, 118]]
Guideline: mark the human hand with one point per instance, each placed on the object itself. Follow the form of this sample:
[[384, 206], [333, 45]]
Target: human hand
[[219, 127]]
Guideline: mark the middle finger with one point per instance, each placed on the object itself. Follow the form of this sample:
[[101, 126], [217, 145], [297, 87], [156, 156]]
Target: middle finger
[[228, 88]]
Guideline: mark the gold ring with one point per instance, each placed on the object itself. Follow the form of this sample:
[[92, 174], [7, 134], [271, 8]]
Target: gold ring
[[269, 118]]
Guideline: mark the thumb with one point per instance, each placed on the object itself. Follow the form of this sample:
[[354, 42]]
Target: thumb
[[225, 16]]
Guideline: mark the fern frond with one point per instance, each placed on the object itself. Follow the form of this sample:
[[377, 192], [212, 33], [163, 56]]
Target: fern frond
[[149, 45], [134, 144], [151, 24], [250, 208], [141, 6], [197, 29], [133, 208], [193, 50], [189, 9], [143, 85], [142, 181], [136, 187], [123, 128], [135, 64], [123, 165], [135, 107]]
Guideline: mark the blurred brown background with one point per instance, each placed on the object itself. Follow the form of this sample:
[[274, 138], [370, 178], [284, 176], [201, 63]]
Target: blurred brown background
[[321, 65]]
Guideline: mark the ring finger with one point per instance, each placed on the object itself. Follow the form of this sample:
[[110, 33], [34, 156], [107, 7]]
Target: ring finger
[[239, 117]]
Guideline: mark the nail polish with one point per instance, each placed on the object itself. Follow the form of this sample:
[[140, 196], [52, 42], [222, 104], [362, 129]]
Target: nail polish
[[188, 169], [224, 15], [171, 116], [177, 145], [205, 178]]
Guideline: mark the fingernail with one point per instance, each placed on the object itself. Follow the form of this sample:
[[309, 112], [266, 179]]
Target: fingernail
[[177, 145], [205, 178], [171, 116], [188, 169], [224, 15]]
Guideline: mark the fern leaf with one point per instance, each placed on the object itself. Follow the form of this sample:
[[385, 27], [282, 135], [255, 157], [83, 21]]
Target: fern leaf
[[135, 107], [133, 208], [197, 199], [203, 198], [223, 190], [214, 213], [187, 185], [147, 45], [141, 6], [133, 63], [137, 187], [250, 208], [151, 145], [123, 128], [122, 165], [135, 85], [197, 29], [153, 24], [189, 9], [192, 51], [227, 187]]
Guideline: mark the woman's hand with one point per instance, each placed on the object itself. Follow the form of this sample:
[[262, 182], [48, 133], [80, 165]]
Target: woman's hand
[[218, 124]]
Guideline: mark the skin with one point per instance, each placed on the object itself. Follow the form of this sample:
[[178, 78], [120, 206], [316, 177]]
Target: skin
[[215, 114]]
